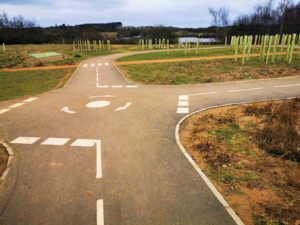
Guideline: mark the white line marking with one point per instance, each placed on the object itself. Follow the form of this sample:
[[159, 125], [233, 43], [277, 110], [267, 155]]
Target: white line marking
[[4, 111], [123, 107], [183, 103], [117, 86], [55, 141], [83, 143], [131, 86], [97, 75], [25, 140], [30, 99], [85, 65], [103, 96], [205, 93], [4, 174], [183, 98], [100, 212], [106, 64], [93, 64], [288, 85], [249, 89], [182, 110], [16, 105], [99, 64], [67, 110], [98, 160], [103, 86]]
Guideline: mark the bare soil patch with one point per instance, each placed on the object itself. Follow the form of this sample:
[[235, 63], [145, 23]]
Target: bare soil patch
[[252, 154], [3, 159]]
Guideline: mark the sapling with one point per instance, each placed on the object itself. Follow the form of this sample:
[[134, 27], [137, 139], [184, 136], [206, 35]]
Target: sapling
[[275, 48], [288, 46], [292, 48], [197, 47], [3, 46], [236, 43], [244, 49], [226, 41], [250, 40], [269, 48]]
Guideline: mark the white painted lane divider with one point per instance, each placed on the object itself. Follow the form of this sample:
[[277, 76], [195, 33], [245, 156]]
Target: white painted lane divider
[[249, 89], [123, 107], [16, 105], [106, 64], [131, 86], [55, 141], [30, 100], [93, 65], [100, 212], [67, 110], [25, 140], [116, 86], [63, 141], [287, 85], [99, 64], [85, 65], [203, 93], [103, 96], [4, 111]]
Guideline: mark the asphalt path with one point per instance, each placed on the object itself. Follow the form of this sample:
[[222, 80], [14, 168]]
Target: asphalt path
[[102, 150]]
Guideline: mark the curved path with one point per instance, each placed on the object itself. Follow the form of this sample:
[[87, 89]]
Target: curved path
[[103, 151]]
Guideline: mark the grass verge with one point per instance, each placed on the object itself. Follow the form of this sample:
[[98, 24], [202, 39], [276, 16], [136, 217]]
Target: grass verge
[[25, 83], [207, 71], [251, 153]]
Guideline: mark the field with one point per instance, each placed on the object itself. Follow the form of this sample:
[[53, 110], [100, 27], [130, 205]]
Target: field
[[26, 83], [16, 56], [207, 71], [251, 153]]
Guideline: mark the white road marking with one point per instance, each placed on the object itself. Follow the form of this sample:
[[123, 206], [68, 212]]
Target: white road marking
[[183, 103], [93, 64], [85, 65], [103, 96], [249, 89], [106, 64], [99, 64], [98, 104], [83, 143], [55, 141], [30, 99], [182, 110], [123, 107], [102, 86], [117, 86], [25, 140], [183, 98], [100, 212], [131, 86], [4, 111], [67, 110], [288, 85], [16, 105], [98, 160], [204, 93]]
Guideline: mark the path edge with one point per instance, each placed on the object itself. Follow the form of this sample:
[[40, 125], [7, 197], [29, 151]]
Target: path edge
[[210, 185]]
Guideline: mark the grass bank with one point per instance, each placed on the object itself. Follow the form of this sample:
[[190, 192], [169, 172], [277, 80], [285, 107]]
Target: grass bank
[[251, 153], [193, 72], [26, 83]]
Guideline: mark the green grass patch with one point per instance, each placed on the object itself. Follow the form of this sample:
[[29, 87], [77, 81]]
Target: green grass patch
[[192, 72], [178, 54], [25, 83]]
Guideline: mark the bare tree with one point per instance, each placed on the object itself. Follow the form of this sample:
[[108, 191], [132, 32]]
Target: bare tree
[[281, 10], [220, 18]]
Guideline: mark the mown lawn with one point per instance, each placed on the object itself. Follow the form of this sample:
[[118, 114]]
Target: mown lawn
[[26, 83], [192, 72]]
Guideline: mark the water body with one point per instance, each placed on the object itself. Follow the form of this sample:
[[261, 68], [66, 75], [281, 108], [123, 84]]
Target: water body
[[183, 40]]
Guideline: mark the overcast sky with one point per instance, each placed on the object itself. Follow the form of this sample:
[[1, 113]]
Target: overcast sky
[[181, 13]]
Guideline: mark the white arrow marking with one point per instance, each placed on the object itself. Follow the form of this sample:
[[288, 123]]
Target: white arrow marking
[[67, 110], [123, 107]]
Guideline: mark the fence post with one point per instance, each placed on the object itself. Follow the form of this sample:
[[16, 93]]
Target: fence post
[[3, 46]]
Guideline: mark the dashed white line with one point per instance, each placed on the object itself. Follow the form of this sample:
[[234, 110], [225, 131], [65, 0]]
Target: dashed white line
[[183, 103], [131, 86], [249, 89], [16, 105], [98, 159], [182, 110], [99, 64], [93, 64], [83, 143], [85, 65], [287, 85], [183, 98], [55, 141], [4, 111], [117, 86], [106, 64], [30, 99], [100, 212], [102, 86], [25, 140], [102, 96]]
